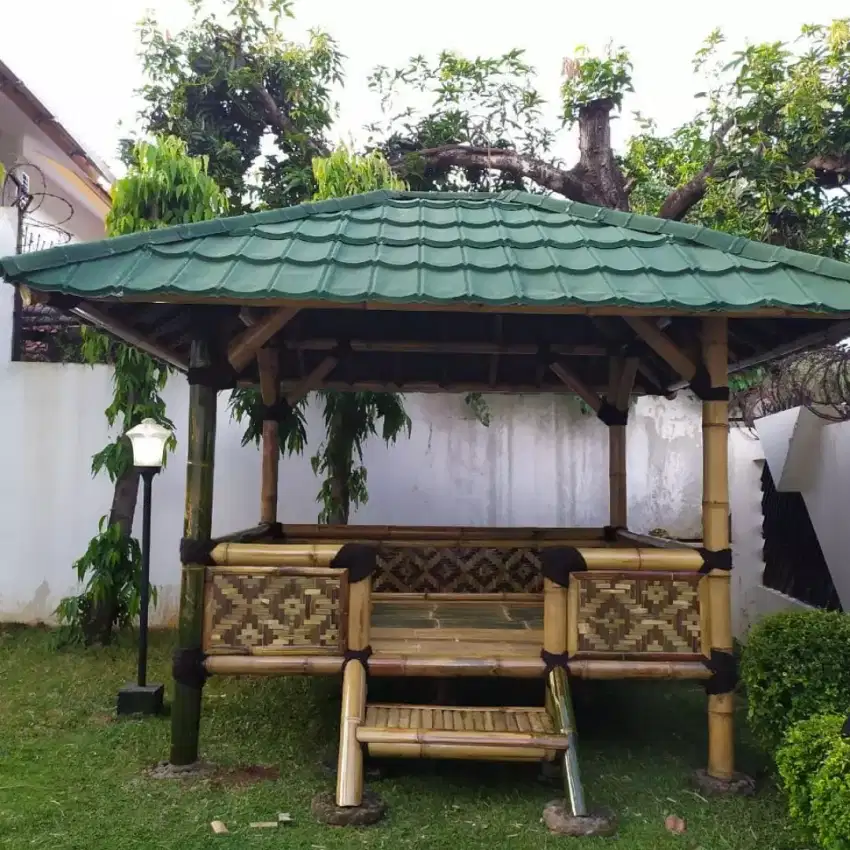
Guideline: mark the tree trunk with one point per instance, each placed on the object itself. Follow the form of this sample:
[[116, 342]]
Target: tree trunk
[[597, 165], [339, 514], [124, 499]]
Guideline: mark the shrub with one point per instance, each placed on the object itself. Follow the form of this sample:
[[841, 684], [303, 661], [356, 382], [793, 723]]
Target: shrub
[[795, 666], [814, 767]]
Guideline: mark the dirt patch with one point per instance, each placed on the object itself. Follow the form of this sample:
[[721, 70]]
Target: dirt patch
[[242, 776]]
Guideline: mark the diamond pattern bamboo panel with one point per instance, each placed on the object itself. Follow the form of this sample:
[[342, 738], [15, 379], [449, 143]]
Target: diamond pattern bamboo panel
[[478, 569], [627, 615], [267, 613]]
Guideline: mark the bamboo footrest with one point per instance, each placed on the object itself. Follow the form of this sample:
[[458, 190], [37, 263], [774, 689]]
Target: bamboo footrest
[[412, 731]]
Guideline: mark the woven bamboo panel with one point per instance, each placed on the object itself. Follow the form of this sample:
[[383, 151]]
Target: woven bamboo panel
[[264, 613], [445, 719], [452, 569], [628, 614]]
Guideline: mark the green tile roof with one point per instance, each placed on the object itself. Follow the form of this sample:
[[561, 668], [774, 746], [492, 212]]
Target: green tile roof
[[511, 248]]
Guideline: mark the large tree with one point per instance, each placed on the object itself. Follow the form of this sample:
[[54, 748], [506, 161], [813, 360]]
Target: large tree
[[766, 155], [163, 186]]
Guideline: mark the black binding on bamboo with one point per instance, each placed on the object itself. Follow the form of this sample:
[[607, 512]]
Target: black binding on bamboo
[[560, 562], [217, 376], [554, 660], [610, 533], [701, 386], [360, 559], [361, 655], [277, 412], [611, 415], [845, 729], [720, 560], [724, 672], [187, 668], [194, 551]]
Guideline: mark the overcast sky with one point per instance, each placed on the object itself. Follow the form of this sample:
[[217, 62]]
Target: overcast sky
[[80, 57]]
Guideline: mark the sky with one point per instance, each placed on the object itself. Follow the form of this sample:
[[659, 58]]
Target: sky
[[81, 58]]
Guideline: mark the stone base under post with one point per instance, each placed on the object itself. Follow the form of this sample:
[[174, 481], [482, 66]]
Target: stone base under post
[[557, 817], [371, 809], [739, 785]]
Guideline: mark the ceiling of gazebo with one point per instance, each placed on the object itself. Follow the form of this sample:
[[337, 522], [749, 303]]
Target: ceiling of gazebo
[[446, 292]]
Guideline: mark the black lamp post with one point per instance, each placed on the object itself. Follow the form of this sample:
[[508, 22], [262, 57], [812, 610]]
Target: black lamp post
[[148, 440]]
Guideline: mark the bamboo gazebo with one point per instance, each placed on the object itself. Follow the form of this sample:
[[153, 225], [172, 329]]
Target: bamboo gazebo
[[412, 292]]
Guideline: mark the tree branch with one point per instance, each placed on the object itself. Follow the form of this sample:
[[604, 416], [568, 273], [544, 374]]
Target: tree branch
[[276, 118], [680, 200], [563, 181]]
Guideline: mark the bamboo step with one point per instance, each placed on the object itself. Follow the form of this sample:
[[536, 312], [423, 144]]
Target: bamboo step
[[429, 731]]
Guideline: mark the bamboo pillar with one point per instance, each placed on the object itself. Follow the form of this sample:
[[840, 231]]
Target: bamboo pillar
[[554, 617], [267, 363], [197, 524], [715, 525], [349, 781]]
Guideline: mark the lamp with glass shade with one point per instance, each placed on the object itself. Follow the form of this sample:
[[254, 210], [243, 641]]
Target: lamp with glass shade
[[148, 440]]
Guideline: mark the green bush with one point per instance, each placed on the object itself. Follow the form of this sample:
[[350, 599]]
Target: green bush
[[814, 767], [795, 666]]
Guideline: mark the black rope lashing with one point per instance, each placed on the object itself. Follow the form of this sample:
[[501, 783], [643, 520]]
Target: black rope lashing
[[719, 560], [555, 661], [610, 533], [216, 376], [193, 551], [701, 386], [342, 349], [724, 672], [845, 729], [560, 562], [187, 668], [545, 355], [360, 559], [611, 415], [361, 655], [277, 412]]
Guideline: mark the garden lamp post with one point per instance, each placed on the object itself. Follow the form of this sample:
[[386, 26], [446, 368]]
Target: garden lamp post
[[148, 439]]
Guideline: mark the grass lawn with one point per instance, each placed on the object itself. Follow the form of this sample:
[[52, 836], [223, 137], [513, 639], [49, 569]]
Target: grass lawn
[[71, 776]]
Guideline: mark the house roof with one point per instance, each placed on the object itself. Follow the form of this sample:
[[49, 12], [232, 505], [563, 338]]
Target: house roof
[[402, 247], [447, 292], [14, 88]]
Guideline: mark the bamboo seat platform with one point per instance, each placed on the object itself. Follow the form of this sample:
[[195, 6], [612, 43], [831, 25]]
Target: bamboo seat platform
[[484, 626], [427, 731]]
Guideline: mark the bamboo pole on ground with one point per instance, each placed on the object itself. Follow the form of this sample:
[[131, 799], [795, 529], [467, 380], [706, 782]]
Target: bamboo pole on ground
[[197, 524], [267, 364], [349, 783], [715, 520]]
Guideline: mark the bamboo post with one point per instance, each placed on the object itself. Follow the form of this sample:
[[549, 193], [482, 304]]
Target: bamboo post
[[554, 617], [349, 783], [715, 522], [197, 524], [267, 363]]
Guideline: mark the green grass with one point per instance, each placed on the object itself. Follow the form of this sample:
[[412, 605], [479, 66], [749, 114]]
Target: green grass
[[71, 776]]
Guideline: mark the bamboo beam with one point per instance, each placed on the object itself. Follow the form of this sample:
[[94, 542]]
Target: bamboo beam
[[666, 560], [410, 666], [275, 554], [584, 392], [663, 346], [427, 534], [311, 381], [454, 751], [349, 784], [94, 316], [429, 347], [401, 386], [244, 347], [715, 521], [457, 738], [267, 365], [197, 524]]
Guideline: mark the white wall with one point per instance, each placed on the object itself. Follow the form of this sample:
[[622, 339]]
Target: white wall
[[541, 463]]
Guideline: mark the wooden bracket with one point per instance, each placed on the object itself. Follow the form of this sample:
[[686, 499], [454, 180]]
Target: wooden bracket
[[584, 392], [313, 380], [244, 347], [663, 346]]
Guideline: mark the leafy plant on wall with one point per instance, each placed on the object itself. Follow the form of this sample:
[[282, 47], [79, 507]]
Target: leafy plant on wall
[[163, 186]]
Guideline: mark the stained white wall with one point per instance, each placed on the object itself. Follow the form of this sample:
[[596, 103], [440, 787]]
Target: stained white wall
[[541, 463]]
